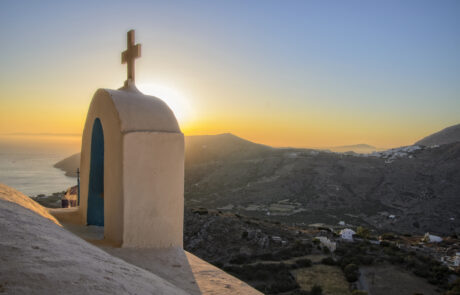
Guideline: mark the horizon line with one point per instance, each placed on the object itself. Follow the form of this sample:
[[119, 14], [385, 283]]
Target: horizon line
[[41, 134]]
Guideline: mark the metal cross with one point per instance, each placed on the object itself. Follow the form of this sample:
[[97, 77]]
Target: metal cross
[[130, 54]]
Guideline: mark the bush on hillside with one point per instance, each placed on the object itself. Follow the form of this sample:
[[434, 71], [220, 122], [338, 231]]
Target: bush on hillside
[[316, 290], [363, 232], [328, 261], [304, 262], [351, 272]]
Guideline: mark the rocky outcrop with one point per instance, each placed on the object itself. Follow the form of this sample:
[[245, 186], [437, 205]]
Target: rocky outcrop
[[223, 237]]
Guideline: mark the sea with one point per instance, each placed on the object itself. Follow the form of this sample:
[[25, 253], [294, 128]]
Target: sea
[[26, 163]]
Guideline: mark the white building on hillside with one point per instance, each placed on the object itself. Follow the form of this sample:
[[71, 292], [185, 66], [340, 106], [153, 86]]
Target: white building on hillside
[[431, 238], [327, 243], [347, 234]]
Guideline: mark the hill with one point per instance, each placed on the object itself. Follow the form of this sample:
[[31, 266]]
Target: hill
[[203, 149], [69, 165], [447, 135], [419, 186], [357, 148]]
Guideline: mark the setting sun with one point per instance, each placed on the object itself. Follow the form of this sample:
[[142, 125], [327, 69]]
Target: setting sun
[[178, 103]]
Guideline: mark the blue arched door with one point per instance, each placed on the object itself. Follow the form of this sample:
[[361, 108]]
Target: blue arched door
[[95, 214]]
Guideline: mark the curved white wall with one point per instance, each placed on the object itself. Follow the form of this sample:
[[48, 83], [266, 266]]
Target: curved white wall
[[143, 169]]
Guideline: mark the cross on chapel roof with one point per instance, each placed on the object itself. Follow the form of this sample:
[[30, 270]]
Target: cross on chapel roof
[[129, 55]]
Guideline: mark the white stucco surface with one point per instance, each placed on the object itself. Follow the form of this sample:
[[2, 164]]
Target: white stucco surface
[[9, 194], [40, 257], [138, 112], [153, 188], [103, 107], [143, 169]]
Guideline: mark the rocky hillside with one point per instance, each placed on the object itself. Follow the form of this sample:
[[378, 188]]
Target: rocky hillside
[[280, 259], [412, 189], [447, 135]]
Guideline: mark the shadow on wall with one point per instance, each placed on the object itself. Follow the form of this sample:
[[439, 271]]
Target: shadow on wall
[[182, 269]]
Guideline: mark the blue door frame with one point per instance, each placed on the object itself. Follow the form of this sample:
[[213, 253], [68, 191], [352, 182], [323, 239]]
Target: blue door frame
[[95, 213]]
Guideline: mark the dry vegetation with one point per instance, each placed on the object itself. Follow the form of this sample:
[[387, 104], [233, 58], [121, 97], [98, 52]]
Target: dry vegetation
[[330, 278]]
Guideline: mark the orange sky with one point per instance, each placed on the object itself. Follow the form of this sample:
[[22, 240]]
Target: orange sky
[[55, 109], [282, 75]]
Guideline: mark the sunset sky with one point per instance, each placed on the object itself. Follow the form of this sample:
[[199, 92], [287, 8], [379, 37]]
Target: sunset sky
[[283, 73]]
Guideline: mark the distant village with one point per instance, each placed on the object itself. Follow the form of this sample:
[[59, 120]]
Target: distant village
[[445, 250]]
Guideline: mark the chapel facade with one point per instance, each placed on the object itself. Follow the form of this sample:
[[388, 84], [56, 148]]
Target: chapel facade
[[132, 166]]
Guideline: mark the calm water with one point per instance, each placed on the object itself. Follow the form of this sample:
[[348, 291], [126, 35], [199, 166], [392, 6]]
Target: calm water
[[29, 167]]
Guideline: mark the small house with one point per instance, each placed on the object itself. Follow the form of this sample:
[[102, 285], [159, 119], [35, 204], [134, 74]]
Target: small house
[[347, 234], [456, 260], [70, 199], [431, 238], [327, 243]]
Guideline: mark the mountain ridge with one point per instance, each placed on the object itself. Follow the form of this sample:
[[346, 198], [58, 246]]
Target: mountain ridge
[[447, 135]]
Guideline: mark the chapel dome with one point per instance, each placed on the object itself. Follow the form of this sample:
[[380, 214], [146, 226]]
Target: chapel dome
[[138, 112]]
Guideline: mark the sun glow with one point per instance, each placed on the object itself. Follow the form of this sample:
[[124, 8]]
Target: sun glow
[[174, 99]]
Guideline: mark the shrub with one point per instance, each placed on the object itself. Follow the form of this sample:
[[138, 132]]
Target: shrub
[[299, 249], [240, 259], [285, 254], [261, 274], [218, 264], [351, 272], [344, 261], [328, 261], [316, 290], [266, 256], [284, 284], [367, 260], [454, 288], [363, 232], [303, 263], [421, 272], [396, 259], [341, 250], [388, 237], [384, 244], [351, 277]]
